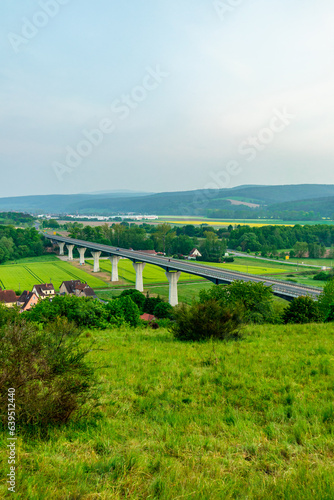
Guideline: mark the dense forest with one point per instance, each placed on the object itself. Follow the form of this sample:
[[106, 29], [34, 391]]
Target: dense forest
[[16, 218], [19, 243]]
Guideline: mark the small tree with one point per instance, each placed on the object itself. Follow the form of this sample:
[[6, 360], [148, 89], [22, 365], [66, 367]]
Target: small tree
[[137, 297], [163, 310], [209, 320], [326, 298], [255, 299], [48, 371], [129, 310], [302, 310], [151, 303]]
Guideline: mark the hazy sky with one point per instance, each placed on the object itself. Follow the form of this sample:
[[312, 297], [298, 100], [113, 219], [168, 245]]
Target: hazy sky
[[165, 95]]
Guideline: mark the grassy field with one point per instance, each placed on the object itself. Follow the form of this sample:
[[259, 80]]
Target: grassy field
[[25, 276], [252, 419]]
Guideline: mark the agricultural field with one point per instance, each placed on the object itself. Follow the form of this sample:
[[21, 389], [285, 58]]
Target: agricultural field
[[24, 276], [197, 221], [252, 418]]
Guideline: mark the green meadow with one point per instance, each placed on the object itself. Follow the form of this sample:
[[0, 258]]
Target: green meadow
[[248, 419]]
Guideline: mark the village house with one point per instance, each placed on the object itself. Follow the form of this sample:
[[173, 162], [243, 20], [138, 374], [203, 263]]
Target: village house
[[8, 298], [75, 287], [194, 253], [44, 290], [27, 300]]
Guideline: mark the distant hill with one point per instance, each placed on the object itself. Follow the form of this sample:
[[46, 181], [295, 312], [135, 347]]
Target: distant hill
[[58, 203], [322, 206], [199, 202]]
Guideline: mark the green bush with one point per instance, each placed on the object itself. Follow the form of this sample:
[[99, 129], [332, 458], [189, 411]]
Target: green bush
[[322, 276], [137, 297], [163, 310], [330, 314], [130, 310], [229, 259], [48, 371], [123, 310], [8, 314], [85, 312], [302, 310], [254, 299], [326, 298], [208, 320], [151, 303]]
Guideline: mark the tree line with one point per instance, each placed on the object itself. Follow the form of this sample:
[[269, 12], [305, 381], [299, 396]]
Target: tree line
[[19, 243]]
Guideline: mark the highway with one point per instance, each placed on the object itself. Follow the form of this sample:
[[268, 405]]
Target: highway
[[216, 275]]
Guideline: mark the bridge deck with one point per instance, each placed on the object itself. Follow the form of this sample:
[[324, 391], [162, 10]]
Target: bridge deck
[[214, 274]]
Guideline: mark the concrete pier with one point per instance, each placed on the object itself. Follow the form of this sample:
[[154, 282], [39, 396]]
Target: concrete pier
[[61, 248], [96, 256], [114, 259], [82, 251], [139, 267], [173, 278], [70, 251]]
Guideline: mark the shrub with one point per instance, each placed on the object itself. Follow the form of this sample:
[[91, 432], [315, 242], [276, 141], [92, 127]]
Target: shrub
[[326, 298], [229, 259], [330, 314], [163, 310], [322, 276], [137, 297], [150, 304], [85, 312], [48, 371], [123, 310], [130, 310], [302, 310], [255, 299], [208, 320], [8, 314]]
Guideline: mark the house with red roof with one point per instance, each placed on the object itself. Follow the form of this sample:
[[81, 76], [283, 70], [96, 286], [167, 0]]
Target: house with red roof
[[8, 298]]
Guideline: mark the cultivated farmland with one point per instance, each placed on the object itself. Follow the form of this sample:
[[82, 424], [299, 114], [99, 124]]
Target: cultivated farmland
[[25, 276]]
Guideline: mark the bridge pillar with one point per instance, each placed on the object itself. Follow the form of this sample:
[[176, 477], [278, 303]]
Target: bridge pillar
[[139, 267], [114, 267], [173, 278], [61, 247], [82, 251], [96, 256], [70, 251]]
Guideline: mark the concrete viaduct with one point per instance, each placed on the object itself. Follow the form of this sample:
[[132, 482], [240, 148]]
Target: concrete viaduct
[[173, 269]]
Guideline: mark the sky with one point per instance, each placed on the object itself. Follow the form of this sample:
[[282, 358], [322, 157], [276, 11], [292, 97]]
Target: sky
[[164, 95]]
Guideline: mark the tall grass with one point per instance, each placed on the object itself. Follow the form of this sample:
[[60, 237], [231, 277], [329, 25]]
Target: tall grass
[[252, 418]]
